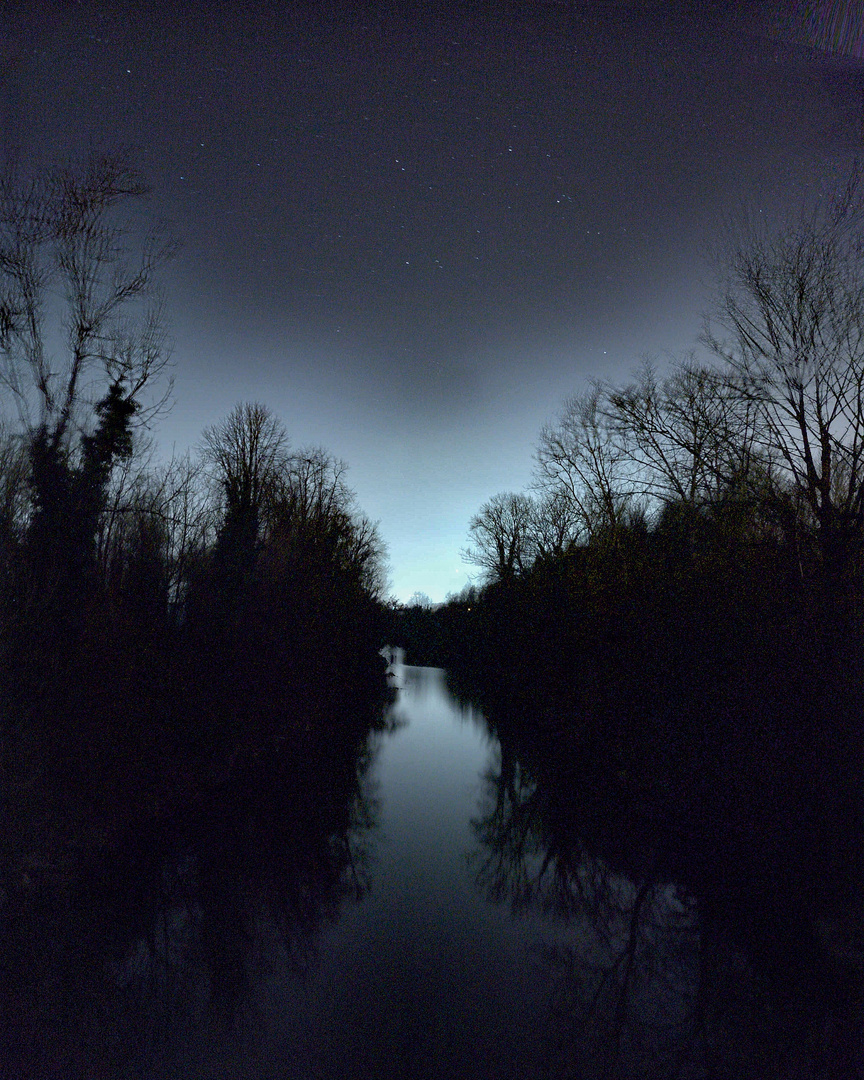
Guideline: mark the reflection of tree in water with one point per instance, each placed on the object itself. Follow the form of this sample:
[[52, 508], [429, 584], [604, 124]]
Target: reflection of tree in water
[[680, 959], [120, 957], [622, 989]]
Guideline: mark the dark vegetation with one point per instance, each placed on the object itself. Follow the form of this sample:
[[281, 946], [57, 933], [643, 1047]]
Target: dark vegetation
[[189, 660], [668, 642]]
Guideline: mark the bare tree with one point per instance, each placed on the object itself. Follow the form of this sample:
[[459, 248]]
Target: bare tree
[[366, 551], [167, 503], [248, 455], [789, 327], [83, 357], [181, 503], [73, 236], [687, 437], [296, 502], [14, 502], [554, 525], [315, 488], [581, 461], [317, 510], [501, 536]]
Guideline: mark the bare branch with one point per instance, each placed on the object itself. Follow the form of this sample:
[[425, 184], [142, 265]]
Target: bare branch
[[789, 329], [502, 536], [70, 235]]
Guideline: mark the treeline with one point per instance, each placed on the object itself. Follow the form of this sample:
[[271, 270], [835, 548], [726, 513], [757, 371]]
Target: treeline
[[189, 666], [667, 640], [158, 620], [680, 595]]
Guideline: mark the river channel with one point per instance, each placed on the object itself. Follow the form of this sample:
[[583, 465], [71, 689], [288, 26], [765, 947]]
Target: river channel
[[424, 977], [430, 971], [413, 900]]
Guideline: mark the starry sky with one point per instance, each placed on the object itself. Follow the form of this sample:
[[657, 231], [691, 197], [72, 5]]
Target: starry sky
[[413, 235]]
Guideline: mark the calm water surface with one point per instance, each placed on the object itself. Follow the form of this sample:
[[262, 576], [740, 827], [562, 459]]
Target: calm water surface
[[424, 977], [416, 902]]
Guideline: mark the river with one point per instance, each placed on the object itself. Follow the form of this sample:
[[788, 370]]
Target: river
[[424, 977], [415, 905]]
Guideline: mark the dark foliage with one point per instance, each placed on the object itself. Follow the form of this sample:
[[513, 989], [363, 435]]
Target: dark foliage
[[189, 672], [680, 703], [184, 732]]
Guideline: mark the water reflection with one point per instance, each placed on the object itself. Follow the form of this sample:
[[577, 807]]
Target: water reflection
[[144, 954], [308, 911], [699, 955], [443, 893], [426, 978], [624, 982]]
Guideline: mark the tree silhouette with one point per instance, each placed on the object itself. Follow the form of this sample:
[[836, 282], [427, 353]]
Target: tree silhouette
[[501, 535], [73, 233], [248, 455], [580, 461], [789, 329]]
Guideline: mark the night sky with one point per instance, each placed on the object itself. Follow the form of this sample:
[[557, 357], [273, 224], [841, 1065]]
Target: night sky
[[411, 236]]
